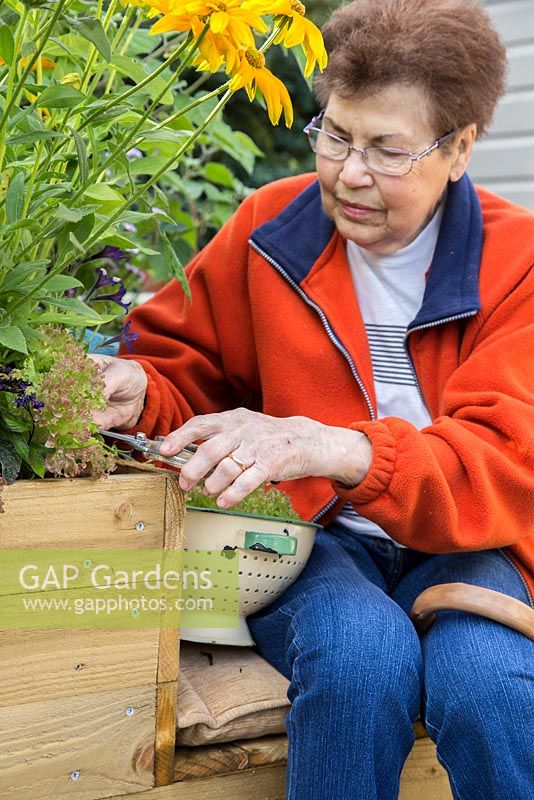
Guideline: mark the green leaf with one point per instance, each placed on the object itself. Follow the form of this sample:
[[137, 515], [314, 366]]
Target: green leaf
[[75, 320], [138, 216], [81, 150], [14, 424], [118, 240], [134, 69], [104, 194], [91, 28], [173, 263], [27, 48], [25, 224], [20, 444], [15, 198], [161, 198], [148, 165], [12, 337], [36, 458], [84, 228], [130, 67], [69, 214], [7, 44], [20, 274], [71, 304], [218, 173], [59, 96], [10, 461], [34, 136], [71, 44], [143, 42], [60, 283], [168, 135]]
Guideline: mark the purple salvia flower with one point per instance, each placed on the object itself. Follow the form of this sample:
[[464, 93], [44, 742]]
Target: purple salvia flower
[[102, 279], [126, 336], [116, 297], [111, 252]]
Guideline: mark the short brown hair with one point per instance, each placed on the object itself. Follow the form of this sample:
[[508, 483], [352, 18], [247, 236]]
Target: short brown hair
[[449, 48]]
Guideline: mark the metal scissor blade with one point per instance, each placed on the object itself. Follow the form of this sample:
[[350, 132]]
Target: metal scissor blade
[[125, 437], [150, 448]]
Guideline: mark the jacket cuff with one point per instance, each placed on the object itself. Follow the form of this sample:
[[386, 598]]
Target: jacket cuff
[[382, 464]]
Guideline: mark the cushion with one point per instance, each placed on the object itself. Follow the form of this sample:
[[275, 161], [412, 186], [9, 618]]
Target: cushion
[[227, 693]]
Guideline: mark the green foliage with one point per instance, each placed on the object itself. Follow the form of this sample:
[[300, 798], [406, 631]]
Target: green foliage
[[115, 167], [266, 501], [109, 172]]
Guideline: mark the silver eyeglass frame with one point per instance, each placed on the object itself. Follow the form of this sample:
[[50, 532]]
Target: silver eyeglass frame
[[312, 126]]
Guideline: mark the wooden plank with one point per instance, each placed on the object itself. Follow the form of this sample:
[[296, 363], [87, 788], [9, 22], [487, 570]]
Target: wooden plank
[[90, 746], [82, 513], [240, 776], [165, 733], [265, 783], [423, 776], [268, 783], [219, 759], [48, 664], [169, 648], [173, 540]]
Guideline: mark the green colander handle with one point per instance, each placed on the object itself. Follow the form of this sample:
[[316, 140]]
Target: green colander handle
[[281, 544]]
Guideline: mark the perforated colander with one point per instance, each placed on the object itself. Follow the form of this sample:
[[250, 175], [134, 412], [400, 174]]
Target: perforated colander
[[272, 553]]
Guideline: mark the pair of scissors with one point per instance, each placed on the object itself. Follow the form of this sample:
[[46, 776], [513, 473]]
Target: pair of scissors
[[150, 448]]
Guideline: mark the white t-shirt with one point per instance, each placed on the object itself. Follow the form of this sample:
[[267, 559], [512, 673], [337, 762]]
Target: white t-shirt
[[390, 292]]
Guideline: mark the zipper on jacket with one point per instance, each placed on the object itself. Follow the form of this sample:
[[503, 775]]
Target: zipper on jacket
[[335, 341], [420, 328], [523, 581]]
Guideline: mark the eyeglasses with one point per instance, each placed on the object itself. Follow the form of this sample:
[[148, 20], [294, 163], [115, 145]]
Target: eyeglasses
[[386, 160]]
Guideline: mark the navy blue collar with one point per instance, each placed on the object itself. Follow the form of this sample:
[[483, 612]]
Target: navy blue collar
[[296, 238]]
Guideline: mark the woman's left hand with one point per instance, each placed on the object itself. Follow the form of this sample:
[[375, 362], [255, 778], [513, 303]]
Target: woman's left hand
[[245, 449]]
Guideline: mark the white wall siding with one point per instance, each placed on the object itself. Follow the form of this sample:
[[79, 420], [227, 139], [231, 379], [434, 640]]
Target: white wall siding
[[503, 161]]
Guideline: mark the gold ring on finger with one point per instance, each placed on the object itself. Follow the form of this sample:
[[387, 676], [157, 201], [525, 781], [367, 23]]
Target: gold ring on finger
[[241, 464]]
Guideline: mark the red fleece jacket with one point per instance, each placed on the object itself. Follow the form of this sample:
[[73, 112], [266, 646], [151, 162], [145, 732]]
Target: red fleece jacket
[[250, 338]]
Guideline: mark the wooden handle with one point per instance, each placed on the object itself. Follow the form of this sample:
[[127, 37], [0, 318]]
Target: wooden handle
[[476, 600]]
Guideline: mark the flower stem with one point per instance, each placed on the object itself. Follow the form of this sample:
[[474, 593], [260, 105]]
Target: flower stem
[[22, 80], [116, 100], [10, 83]]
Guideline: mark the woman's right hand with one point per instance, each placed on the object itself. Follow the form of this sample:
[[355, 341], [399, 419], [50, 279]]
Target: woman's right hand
[[125, 388]]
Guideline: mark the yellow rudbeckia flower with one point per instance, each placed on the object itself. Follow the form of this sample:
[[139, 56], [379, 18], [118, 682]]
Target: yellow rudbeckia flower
[[224, 17], [216, 49], [230, 28], [252, 74], [299, 31]]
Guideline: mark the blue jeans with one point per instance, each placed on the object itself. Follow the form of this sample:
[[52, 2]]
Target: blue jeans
[[360, 676]]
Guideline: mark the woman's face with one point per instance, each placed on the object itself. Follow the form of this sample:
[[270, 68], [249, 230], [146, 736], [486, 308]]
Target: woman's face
[[383, 213]]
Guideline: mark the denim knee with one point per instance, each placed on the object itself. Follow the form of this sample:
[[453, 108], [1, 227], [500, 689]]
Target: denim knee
[[362, 649], [471, 681]]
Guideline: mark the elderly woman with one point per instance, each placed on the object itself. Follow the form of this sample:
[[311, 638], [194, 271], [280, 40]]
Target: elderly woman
[[361, 335]]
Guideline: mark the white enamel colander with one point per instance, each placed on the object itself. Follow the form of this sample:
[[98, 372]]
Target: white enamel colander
[[272, 554]]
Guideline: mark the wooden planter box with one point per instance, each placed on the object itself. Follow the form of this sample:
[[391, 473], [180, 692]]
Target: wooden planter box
[[88, 713], [91, 714]]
